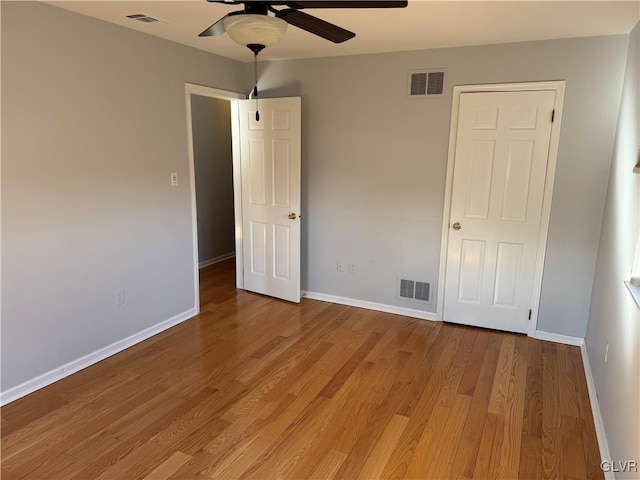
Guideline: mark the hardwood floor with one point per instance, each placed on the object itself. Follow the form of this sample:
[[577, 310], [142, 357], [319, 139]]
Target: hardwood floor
[[258, 388]]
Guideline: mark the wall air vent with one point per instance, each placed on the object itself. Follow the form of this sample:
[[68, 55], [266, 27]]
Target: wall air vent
[[144, 18], [426, 83], [406, 288], [418, 84], [423, 291], [414, 290]]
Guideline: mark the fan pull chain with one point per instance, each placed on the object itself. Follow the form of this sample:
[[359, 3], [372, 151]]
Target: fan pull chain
[[255, 84], [256, 48]]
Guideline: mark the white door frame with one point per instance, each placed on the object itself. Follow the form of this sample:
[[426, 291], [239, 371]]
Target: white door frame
[[558, 87], [233, 97]]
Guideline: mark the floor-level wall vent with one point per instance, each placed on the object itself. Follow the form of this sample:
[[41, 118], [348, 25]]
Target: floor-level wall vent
[[414, 290], [423, 291], [407, 288]]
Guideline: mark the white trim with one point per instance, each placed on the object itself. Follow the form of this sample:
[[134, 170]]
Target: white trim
[[74, 366], [634, 291], [558, 87], [552, 161], [557, 338], [237, 192], [233, 97], [601, 434], [379, 307], [218, 259], [194, 209], [446, 214], [213, 92]]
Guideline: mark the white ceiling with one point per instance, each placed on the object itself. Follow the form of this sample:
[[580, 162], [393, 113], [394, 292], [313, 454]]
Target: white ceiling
[[422, 25]]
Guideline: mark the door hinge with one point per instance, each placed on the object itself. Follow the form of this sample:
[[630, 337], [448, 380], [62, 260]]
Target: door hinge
[[553, 114], [529, 314]]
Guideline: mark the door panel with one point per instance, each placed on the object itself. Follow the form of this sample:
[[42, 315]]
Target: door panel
[[479, 180], [258, 240], [471, 271], [281, 173], [256, 171], [281, 246], [502, 148], [270, 164], [516, 189], [508, 266]]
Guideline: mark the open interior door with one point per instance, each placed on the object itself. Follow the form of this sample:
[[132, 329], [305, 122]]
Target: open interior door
[[270, 166]]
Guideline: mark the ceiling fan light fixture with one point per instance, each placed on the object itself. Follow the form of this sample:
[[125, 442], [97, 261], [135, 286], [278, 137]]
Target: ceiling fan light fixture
[[249, 29]]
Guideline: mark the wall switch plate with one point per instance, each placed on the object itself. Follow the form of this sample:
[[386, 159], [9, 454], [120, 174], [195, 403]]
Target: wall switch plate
[[606, 353], [340, 266], [174, 179], [120, 297]]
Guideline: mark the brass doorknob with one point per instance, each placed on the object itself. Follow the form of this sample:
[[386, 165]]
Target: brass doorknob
[[292, 216], [457, 226]]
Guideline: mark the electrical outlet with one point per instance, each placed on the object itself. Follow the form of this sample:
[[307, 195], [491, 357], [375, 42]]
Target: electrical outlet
[[352, 268], [606, 353], [174, 179], [119, 296]]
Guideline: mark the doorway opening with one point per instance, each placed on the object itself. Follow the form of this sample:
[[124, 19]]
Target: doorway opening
[[266, 164], [213, 163], [214, 200]]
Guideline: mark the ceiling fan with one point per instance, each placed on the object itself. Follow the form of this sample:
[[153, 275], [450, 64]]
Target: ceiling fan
[[256, 29]]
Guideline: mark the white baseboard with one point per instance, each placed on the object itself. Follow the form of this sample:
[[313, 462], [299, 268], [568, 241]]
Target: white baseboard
[[556, 337], [603, 444], [213, 261], [380, 307], [74, 366]]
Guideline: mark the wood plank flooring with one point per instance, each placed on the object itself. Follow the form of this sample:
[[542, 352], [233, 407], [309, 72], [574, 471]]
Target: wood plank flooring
[[258, 388]]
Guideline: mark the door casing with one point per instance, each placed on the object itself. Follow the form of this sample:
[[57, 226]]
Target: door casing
[[558, 87], [233, 97]]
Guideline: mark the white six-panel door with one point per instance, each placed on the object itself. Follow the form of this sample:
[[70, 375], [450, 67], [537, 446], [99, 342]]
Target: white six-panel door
[[501, 155], [270, 165]]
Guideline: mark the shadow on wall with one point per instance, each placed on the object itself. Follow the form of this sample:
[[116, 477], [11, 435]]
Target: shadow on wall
[[292, 89]]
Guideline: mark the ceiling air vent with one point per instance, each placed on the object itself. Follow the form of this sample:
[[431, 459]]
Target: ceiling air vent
[[426, 83], [144, 18], [413, 290]]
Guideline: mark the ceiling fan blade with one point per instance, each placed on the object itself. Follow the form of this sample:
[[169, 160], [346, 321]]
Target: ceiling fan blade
[[218, 28], [315, 25], [347, 4]]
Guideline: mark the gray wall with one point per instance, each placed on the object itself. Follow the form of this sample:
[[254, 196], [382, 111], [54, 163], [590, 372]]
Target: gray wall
[[374, 164], [614, 317], [93, 122], [211, 119]]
